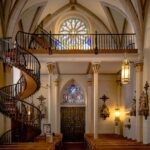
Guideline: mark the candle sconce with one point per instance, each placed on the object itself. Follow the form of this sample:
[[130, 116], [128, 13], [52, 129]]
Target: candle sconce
[[104, 111], [144, 102]]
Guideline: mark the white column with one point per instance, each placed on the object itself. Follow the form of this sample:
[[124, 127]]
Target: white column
[[146, 130], [118, 105], [96, 68], [51, 71], [139, 77], [56, 103], [89, 110]]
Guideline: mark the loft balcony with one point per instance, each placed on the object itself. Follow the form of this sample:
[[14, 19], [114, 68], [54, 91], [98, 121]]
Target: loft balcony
[[78, 43]]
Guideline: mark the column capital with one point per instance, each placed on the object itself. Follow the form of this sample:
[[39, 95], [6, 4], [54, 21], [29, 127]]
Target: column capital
[[139, 66], [51, 67], [96, 67]]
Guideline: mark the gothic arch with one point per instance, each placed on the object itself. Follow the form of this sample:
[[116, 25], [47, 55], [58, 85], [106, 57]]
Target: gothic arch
[[67, 84]]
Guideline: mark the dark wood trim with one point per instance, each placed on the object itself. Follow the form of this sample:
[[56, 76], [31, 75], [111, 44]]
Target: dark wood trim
[[103, 51]]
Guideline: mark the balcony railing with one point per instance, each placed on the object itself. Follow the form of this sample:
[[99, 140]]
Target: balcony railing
[[86, 43]]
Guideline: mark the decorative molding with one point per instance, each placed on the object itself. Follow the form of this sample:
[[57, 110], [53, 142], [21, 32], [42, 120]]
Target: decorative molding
[[51, 67], [96, 67]]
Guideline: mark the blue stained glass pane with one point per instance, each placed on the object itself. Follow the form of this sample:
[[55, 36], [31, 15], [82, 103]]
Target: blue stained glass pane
[[88, 42], [73, 94], [57, 42]]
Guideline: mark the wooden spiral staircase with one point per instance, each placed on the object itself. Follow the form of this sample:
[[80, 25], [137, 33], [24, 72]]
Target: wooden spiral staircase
[[13, 104]]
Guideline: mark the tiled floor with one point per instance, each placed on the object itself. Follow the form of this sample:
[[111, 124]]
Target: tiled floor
[[73, 146]]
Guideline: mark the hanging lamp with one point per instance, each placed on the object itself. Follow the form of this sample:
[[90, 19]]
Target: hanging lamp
[[125, 71]]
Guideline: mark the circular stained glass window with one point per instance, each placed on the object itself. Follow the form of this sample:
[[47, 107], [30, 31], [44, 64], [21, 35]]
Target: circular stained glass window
[[73, 34]]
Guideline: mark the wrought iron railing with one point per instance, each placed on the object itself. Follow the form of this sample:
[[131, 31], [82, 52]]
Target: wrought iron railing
[[11, 101], [83, 42]]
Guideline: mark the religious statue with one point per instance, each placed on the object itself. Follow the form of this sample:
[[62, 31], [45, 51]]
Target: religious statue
[[104, 111], [42, 106], [133, 108], [144, 102]]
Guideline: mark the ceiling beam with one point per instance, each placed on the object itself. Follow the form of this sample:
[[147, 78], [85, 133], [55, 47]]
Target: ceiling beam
[[35, 20], [111, 19], [21, 25], [93, 15], [133, 18], [14, 15]]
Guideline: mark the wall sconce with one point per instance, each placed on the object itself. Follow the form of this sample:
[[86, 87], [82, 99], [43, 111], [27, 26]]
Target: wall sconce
[[117, 116], [104, 111], [125, 72], [144, 102]]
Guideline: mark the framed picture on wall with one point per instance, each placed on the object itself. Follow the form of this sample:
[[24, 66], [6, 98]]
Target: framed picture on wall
[[46, 128]]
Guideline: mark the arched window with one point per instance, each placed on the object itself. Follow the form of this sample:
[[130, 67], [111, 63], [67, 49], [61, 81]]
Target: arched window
[[74, 34], [73, 95]]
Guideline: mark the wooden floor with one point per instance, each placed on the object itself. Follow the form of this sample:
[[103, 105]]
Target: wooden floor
[[73, 146], [104, 142]]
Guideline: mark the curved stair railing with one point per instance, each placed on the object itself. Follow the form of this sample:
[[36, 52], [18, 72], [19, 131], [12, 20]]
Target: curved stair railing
[[25, 116]]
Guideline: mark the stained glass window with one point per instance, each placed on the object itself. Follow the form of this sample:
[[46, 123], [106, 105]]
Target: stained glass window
[[74, 35], [73, 94]]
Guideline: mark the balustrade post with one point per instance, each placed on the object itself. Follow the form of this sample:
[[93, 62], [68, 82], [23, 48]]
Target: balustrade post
[[96, 48], [50, 44]]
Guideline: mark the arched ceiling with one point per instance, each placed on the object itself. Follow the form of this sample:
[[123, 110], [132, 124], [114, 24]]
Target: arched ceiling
[[115, 16]]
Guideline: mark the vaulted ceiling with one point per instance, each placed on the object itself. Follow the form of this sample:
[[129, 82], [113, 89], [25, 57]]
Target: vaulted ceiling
[[114, 16]]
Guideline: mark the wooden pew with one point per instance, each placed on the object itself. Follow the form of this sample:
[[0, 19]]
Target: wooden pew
[[112, 142], [40, 143]]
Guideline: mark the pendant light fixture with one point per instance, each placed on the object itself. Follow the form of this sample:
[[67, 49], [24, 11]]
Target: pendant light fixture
[[125, 71]]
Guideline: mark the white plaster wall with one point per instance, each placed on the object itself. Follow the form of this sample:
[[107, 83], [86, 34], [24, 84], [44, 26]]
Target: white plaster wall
[[16, 75], [127, 94], [146, 73], [108, 86], [81, 80], [42, 91]]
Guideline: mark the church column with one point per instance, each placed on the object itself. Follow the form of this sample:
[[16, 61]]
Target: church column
[[96, 68], [118, 106], [139, 77], [51, 71], [89, 124], [56, 103]]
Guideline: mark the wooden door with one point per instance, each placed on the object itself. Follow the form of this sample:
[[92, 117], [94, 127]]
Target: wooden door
[[73, 123]]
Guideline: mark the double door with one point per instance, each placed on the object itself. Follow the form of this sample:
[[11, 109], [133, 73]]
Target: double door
[[73, 123]]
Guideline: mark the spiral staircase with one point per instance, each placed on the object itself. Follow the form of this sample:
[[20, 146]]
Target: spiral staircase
[[25, 116]]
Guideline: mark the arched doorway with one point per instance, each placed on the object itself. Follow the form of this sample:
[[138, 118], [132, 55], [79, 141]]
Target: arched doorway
[[73, 113]]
